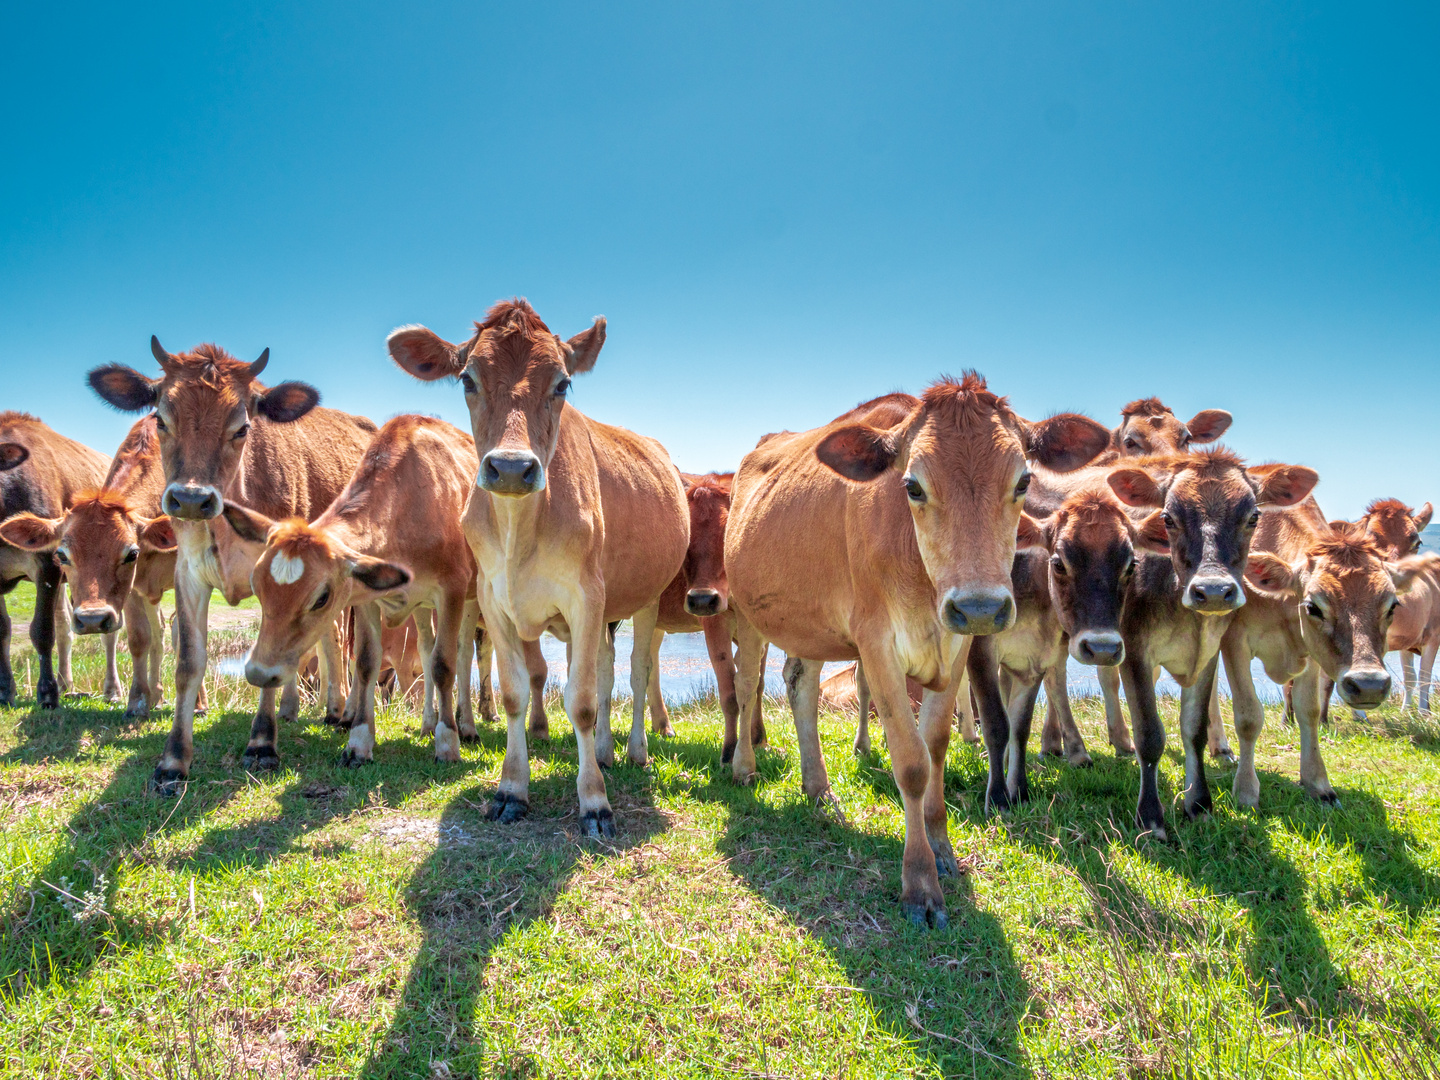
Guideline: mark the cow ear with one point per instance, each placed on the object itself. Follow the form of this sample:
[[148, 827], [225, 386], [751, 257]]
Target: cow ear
[[1031, 537], [1423, 517], [1286, 485], [1269, 575], [248, 525], [1065, 442], [1403, 572], [158, 534], [1207, 425], [31, 533], [12, 455], [1340, 525], [1136, 487], [124, 388], [858, 451], [1151, 534], [286, 403], [582, 350], [378, 575], [423, 353]]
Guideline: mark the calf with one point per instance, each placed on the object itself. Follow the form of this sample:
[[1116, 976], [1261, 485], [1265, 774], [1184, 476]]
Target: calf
[[892, 545], [390, 543], [698, 599], [1179, 605], [224, 436], [1415, 632], [575, 525], [1320, 601], [41, 473]]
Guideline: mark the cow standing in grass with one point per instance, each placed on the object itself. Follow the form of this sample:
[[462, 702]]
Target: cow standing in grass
[[225, 437], [41, 473], [575, 525], [892, 545], [1415, 633]]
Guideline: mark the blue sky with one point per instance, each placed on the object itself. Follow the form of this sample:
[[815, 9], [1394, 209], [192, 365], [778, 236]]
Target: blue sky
[[781, 209]]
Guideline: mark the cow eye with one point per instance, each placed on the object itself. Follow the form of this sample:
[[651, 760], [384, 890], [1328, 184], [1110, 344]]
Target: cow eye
[[241, 431], [562, 387], [1132, 444], [1392, 609], [1415, 544], [1057, 564], [131, 554], [160, 423], [1022, 485], [1314, 610], [1254, 518], [322, 599], [62, 558], [1169, 522], [467, 383], [1129, 568], [914, 490]]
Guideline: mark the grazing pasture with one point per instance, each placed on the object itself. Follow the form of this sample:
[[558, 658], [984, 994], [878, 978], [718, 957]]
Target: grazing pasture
[[322, 921]]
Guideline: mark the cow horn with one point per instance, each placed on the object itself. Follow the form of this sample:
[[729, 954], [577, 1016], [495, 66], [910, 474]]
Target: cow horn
[[158, 349], [259, 365]]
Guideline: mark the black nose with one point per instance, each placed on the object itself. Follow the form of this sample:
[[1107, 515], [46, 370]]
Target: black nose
[[191, 502], [1100, 649], [702, 602], [511, 473], [1212, 594], [95, 621], [978, 613], [1365, 689]]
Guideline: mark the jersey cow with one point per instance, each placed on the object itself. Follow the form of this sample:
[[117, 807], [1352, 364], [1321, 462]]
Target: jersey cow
[[226, 437], [41, 474], [892, 545], [1416, 629], [575, 525]]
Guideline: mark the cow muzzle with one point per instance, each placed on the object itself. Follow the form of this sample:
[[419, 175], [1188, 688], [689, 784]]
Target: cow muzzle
[[983, 611], [96, 620], [1364, 688], [1213, 595], [1098, 648], [703, 603], [511, 472], [264, 676], [192, 502]]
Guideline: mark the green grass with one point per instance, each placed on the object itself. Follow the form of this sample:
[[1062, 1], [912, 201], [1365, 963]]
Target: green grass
[[309, 924], [20, 601]]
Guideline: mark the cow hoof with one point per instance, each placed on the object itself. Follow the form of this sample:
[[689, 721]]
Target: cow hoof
[[260, 759], [945, 864], [997, 800], [1154, 830], [596, 824], [1123, 751], [47, 694], [745, 778], [666, 732], [926, 915], [727, 754], [1198, 810], [337, 720], [542, 734], [1226, 755], [506, 809], [167, 783], [1081, 760], [1329, 798], [350, 758], [137, 712]]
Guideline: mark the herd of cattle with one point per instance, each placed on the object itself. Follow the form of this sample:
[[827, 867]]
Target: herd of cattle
[[956, 551]]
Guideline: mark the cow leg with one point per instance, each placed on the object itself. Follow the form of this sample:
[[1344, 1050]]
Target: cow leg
[[260, 753], [638, 749], [1313, 777], [111, 690], [862, 700], [1427, 669], [937, 711], [425, 629], [718, 630], [332, 663], [1071, 742], [1327, 687], [965, 710], [910, 762], [138, 632], [42, 633], [1114, 715], [750, 650], [984, 682], [1407, 668], [464, 662], [63, 640], [449, 616], [1194, 722], [1138, 678], [592, 672], [1218, 744], [538, 672], [757, 718], [1249, 722], [7, 678], [802, 690], [659, 715], [192, 610], [512, 794], [1287, 692], [1020, 711], [290, 699], [604, 690], [485, 663], [360, 746]]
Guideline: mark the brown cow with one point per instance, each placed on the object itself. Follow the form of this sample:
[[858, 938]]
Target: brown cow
[[1320, 602], [892, 545], [1416, 629], [224, 436], [41, 473], [389, 544], [698, 600], [1148, 426], [575, 525], [1179, 605]]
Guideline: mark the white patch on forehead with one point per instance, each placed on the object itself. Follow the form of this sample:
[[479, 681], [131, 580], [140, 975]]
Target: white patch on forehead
[[286, 569]]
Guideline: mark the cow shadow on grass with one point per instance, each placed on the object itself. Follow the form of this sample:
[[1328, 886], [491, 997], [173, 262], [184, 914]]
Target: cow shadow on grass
[[958, 994]]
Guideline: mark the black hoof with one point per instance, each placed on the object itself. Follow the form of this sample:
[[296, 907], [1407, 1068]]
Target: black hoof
[[47, 694], [727, 754], [1227, 756], [945, 865], [260, 759], [349, 759], [997, 799], [924, 916], [506, 809], [1330, 799], [597, 823], [167, 783], [337, 720]]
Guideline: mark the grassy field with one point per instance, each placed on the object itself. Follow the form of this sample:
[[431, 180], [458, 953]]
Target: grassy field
[[324, 922]]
